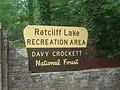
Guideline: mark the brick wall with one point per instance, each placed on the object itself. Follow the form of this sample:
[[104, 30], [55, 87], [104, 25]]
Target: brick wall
[[95, 79]]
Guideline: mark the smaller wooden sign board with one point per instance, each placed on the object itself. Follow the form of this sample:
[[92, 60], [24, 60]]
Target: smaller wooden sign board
[[55, 48]]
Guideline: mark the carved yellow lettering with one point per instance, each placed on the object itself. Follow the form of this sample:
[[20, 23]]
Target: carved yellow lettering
[[37, 62]]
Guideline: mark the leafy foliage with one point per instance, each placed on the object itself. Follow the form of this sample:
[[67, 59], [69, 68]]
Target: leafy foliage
[[13, 16], [102, 20]]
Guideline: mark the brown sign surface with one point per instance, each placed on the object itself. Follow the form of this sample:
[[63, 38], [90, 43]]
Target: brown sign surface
[[55, 48]]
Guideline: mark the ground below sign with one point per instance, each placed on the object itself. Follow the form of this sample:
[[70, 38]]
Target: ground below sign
[[55, 48]]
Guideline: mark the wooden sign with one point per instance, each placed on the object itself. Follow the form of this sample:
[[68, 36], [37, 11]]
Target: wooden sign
[[55, 48]]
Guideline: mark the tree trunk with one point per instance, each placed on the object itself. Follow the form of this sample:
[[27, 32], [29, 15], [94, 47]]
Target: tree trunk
[[31, 10], [44, 12]]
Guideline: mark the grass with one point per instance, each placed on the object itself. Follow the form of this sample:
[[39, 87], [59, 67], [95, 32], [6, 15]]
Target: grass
[[24, 54]]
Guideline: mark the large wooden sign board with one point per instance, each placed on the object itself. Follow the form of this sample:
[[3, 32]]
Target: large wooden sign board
[[55, 48]]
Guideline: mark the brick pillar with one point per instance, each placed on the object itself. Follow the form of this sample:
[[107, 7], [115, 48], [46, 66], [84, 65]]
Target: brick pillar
[[0, 58], [5, 62]]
